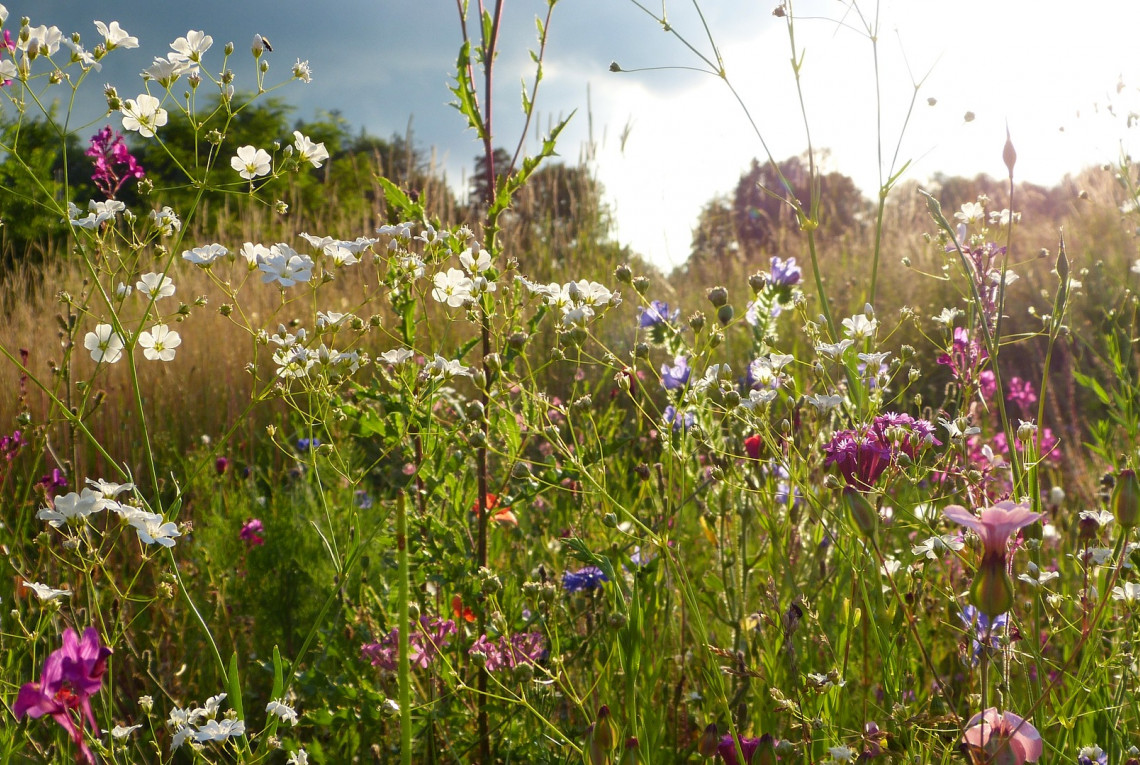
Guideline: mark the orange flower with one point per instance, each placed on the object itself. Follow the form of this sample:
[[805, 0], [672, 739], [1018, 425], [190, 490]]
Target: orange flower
[[503, 516], [462, 612]]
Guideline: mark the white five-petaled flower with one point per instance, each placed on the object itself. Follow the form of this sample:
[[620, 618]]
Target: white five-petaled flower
[[445, 368], [1129, 592], [834, 350], [41, 41], [71, 507], [166, 221], [859, 327], [166, 71], [205, 255], [475, 263], [104, 343], [453, 288], [144, 115], [82, 55], [155, 286], [396, 356], [8, 70], [115, 36], [824, 403], [152, 529], [193, 45], [219, 730], [302, 71], [307, 151], [120, 731], [251, 162], [108, 489], [282, 710], [44, 593], [971, 212], [286, 266], [299, 757], [159, 343]]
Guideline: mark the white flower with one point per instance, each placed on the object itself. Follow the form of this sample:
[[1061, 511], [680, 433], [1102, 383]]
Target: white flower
[[71, 507], [193, 45], [834, 350], [824, 404], [286, 266], [840, 753], [1136, 267], [104, 343], [1035, 577], [318, 242], [307, 151], [341, 255], [213, 704], [759, 398], [100, 212], [446, 368], [166, 71], [255, 253], [107, 489], [955, 430], [302, 71], [859, 327], [159, 343], [947, 317], [332, 319], [282, 710], [299, 757], [453, 288], [205, 255], [181, 734], [935, 546], [123, 291], [8, 70], [81, 54], [1002, 218], [1129, 592], [166, 221], [144, 115], [475, 264], [122, 732], [251, 162], [1101, 517], [115, 36], [155, 286], [45, 593], [41, 41], [152, 530], [971, 212], [396, 356], [219, 730]]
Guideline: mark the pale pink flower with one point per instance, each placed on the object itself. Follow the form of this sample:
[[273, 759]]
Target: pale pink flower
[[996, 524], [992, 731]]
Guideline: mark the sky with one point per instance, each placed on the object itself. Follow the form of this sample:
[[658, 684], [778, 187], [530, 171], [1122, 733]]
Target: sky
[[663, 139]]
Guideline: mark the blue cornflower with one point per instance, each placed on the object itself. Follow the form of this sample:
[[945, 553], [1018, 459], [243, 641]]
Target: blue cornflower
[[307, 444], [363, 500], [1092, 755], [657, 313], [585, 578], [676, 376], [980, 624]]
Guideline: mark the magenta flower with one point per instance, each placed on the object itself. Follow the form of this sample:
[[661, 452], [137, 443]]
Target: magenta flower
[[1004, 734], [992, 590], [114, 164], [251, 532], [71, 676]]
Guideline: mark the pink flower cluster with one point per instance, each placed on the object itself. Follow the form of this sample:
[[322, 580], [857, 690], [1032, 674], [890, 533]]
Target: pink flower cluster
[[110, 156], [862, 454], [423, 645], [521, 648]]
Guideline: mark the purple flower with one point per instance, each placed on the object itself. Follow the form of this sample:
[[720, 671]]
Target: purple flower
[[585, 578], [307, 444], [1021, 392], [862, 454], [251, 532], [748, 747], [9, 445], [678, 420], [676, 376], [656, 314], [785, 273], [221, 465], [363, 500], [54, 482], [71, 676]]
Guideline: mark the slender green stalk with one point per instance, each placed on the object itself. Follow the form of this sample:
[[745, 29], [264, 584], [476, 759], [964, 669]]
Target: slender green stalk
[[405, 630]]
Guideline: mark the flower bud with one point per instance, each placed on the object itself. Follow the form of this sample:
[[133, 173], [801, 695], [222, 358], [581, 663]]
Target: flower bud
[[757, 282], [697, 321], [1126, 499], [862, 511], [992, 590], [718, 296], [623, 274], [640, 284], [724, 314], [710, 740]]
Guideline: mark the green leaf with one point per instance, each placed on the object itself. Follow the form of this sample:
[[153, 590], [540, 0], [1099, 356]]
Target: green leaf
[[235, 687], [1090, 383]]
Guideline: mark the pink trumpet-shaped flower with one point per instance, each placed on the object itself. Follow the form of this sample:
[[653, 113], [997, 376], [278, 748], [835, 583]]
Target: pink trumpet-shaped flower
[[71, 676], [1004, 735], [992, 590]]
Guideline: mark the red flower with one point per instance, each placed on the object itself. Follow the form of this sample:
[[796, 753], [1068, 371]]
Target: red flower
[[462, 612], [752, 445]]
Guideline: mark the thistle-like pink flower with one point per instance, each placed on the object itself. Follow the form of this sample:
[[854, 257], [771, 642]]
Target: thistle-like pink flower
[[992, 590], [72, 675], [1003, 737]]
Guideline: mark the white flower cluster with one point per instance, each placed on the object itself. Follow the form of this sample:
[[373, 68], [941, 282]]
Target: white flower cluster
[[296, 360], [75, 507], [578, 301], [458, 288], [187, 724]]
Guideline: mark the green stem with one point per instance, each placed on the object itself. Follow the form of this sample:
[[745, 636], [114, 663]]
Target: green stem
[[404, 633]]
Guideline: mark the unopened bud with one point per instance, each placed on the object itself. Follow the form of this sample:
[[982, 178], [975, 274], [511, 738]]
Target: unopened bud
[[709, 742], [718, 296], [1126, 499], [623, 274], [697, 321], [724, 314]]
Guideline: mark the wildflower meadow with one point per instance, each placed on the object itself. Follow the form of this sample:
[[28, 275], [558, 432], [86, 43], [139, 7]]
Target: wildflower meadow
[[305, 459]]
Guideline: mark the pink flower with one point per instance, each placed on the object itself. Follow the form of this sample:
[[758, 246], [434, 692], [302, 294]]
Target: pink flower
[[1004, 734], [992, 589], [71, 676], [251, 532], [996, 524]]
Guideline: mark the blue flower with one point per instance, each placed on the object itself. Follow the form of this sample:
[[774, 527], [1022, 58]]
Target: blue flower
[[676, 376], [785, 273], [679, 420], [585, 578], [307, 444], [980, 624], [363, 501], [657, 313], [1092, 755]]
